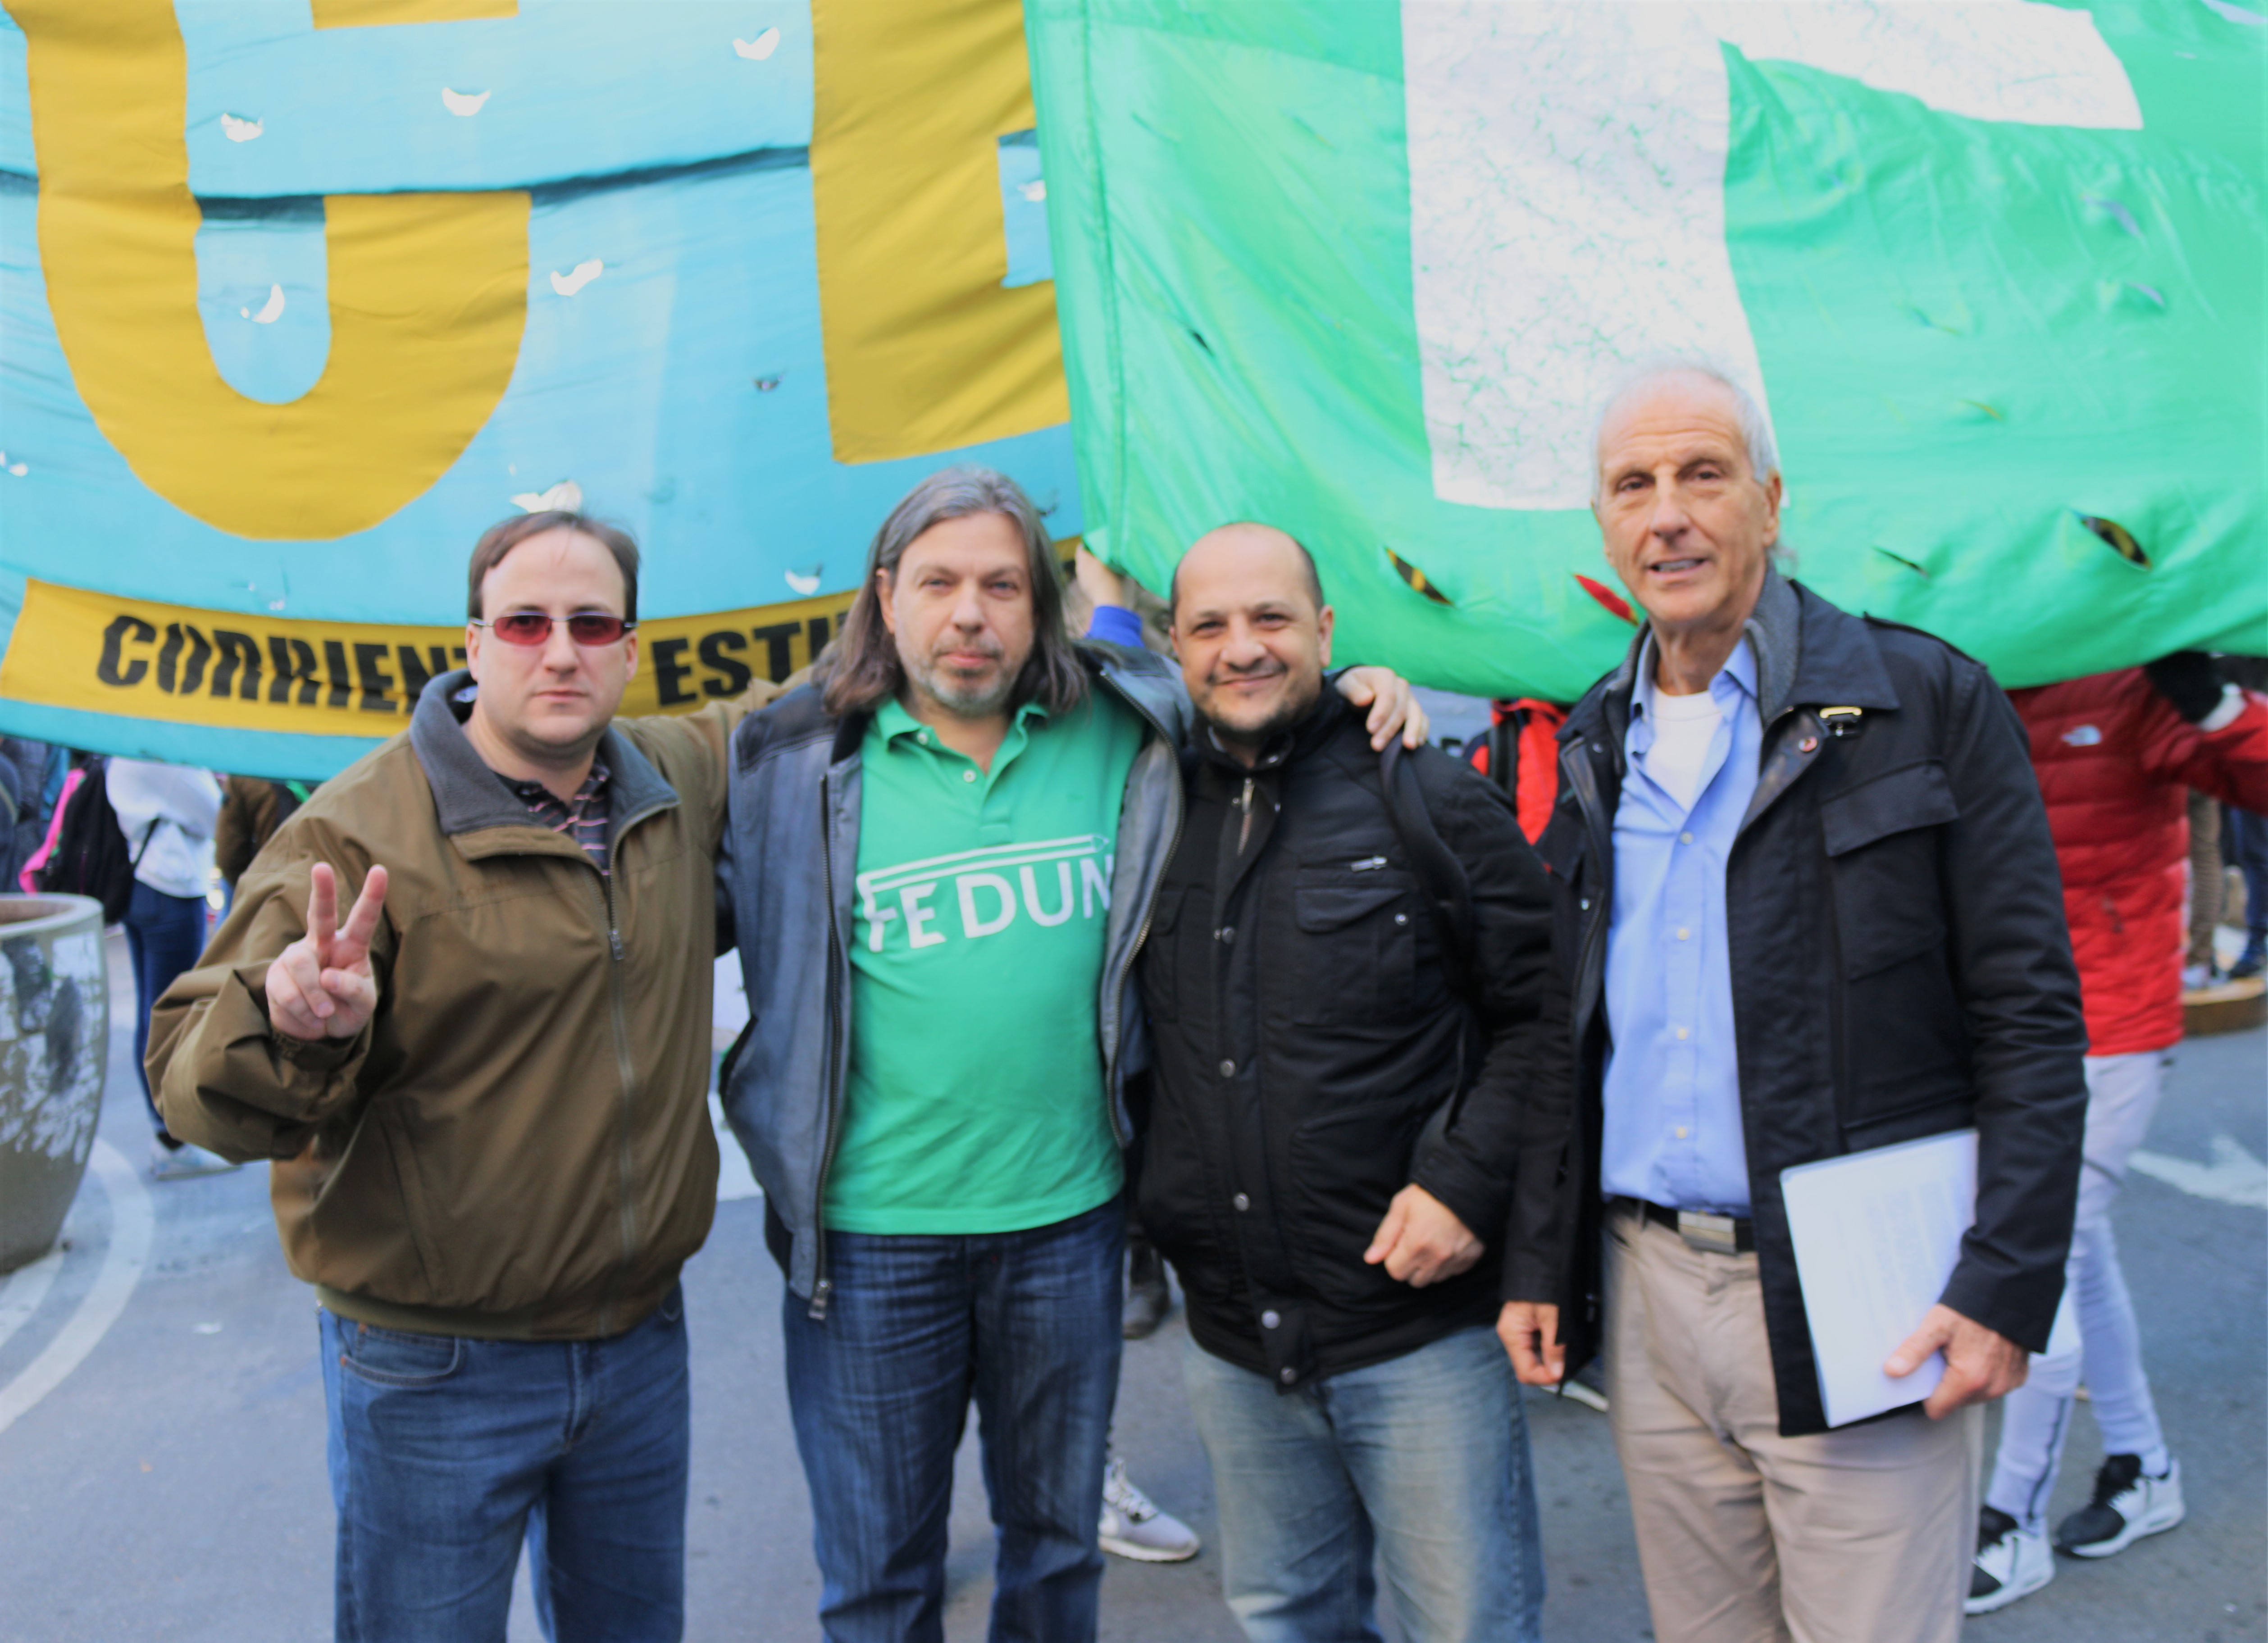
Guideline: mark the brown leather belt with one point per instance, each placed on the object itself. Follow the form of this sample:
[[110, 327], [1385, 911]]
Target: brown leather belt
[[1712, 1234]]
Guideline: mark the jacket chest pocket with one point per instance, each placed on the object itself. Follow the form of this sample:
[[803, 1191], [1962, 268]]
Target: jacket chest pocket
[[1356, 946], [1903, 1047], [1882, 849]]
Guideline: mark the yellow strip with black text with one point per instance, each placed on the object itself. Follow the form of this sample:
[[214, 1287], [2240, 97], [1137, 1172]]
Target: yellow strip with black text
[[99, 653]]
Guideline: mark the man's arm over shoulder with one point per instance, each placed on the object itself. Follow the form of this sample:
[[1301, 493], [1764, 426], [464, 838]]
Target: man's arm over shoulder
[[1507, 1149], [704, 740], [796, 717], [2010, 953], [1151, 680], [223, 1077]]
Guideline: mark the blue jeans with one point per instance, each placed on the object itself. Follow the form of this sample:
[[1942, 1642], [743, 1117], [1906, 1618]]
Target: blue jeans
[[446, 1453], [164, 935], [1421, 1460], [1024, 1323]]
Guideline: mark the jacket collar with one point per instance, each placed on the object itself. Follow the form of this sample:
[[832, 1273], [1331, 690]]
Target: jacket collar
[[468, 796], [1809, 652], [1837, 663], [1774, 630]]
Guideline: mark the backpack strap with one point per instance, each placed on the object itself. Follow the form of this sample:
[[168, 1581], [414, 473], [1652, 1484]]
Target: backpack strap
[[1441, 875], [1504, 752], [1448, 896]]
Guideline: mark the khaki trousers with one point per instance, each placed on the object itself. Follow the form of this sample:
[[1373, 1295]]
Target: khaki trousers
[[1863, 1535]]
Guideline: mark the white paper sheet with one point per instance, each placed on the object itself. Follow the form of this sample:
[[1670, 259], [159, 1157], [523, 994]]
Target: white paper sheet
[[1877, 1236]]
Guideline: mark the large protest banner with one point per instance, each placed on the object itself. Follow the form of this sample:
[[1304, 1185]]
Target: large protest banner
[[299, 296], [1366, 270]]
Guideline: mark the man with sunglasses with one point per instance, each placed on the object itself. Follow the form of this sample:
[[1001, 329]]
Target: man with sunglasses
[[483, 1096]]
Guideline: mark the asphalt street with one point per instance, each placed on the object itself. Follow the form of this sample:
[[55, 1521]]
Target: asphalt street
[[161, 1424]]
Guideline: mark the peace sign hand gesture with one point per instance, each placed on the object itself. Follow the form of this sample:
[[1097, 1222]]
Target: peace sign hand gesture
[[320, 986]]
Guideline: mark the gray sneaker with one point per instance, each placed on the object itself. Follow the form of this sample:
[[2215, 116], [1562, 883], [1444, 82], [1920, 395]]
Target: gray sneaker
[[1132, 1526], [179, 1162]]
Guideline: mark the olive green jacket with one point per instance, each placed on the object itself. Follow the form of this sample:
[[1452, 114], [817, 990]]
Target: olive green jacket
[[517, 1144]]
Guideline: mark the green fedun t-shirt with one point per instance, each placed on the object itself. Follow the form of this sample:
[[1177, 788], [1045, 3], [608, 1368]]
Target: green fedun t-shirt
[[976, 1101]]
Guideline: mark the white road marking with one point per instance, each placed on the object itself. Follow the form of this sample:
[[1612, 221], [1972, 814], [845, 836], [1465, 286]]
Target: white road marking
[[130, 1225], [2235, 1176], [23, 1290]]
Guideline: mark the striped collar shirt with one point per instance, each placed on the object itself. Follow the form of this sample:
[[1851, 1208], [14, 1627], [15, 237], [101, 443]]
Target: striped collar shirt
[[583, 818]]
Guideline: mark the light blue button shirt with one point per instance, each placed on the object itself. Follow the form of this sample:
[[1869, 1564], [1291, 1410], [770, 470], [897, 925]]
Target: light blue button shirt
[[1672, 1082]]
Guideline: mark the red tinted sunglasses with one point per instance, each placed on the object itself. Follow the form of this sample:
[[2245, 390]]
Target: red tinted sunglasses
[[533, 627]]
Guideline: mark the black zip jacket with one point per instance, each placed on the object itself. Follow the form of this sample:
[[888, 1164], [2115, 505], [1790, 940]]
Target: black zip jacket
[[1900, 963], [1304, 1031]]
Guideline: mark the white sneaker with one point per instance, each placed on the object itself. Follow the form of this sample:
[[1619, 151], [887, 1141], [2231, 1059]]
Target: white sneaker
[[2011, 1563], [2128, 1503], [178, 1163], [1132, 1526]]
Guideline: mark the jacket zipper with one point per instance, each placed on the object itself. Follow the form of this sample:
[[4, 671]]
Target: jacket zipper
[[822, 1287], [618, 1006], [1584, 779]]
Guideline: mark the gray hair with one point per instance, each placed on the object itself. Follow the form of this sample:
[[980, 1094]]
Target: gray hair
[[1755, 431], [862, 667]]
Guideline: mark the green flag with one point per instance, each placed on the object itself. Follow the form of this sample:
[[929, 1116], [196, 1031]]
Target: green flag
[[1365, 271]]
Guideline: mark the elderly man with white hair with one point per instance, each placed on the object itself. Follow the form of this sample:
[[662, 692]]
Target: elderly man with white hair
[[1815, 909]]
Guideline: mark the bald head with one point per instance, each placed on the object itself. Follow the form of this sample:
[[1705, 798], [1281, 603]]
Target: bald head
[[1263, 543], [1252, 632]]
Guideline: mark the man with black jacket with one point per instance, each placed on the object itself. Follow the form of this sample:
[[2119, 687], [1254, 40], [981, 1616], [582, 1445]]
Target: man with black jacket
[[1816, 910], [1332, 1158], [940, 862]]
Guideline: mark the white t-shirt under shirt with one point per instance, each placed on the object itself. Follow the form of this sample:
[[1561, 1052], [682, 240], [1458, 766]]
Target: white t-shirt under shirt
[[1684, 726]]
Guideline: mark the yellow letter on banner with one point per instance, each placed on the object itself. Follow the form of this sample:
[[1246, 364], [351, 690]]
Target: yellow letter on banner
[[428, 299], [925, 350]]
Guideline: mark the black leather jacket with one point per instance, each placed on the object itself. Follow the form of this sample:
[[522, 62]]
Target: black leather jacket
[[1304, 1031], [1900, 963]]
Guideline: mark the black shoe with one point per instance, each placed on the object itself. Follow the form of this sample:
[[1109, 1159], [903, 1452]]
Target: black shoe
[[2128, 1503], [2248, 964], [1147, 1298]]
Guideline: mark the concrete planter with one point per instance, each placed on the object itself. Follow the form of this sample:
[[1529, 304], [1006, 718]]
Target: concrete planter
[[55, 1042]]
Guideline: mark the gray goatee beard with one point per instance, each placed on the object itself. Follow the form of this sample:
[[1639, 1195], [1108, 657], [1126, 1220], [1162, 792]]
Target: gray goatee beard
[[970, 701]]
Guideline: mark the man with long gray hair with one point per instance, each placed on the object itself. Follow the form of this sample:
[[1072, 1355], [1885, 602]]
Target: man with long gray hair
[[940, 860]]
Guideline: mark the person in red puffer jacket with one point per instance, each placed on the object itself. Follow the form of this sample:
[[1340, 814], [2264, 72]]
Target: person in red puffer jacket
[[1521, 754], [2116, 754]]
